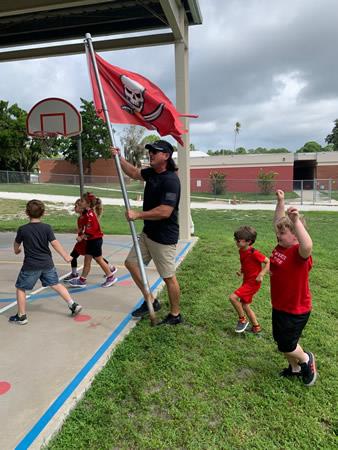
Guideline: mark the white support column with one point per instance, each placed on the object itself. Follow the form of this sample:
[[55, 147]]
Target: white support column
[[182, 104]]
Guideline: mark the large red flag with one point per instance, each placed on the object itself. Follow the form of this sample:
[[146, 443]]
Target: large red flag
[[133, 99]]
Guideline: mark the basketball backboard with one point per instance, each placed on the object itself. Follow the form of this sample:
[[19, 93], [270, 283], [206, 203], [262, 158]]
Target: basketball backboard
[[53, 117]]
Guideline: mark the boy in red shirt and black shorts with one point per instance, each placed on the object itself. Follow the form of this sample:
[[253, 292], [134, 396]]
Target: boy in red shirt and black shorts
[[290, 264], [253, 271]]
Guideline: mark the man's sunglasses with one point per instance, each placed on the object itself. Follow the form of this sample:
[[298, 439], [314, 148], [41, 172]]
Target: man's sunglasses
[[154, 152]]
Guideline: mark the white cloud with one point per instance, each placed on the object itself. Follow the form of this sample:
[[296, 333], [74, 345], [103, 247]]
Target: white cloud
[[269, 65]]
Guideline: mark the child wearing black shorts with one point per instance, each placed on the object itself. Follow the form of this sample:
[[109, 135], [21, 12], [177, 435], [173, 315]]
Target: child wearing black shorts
[[92, 234], [290, 264], [80, 247]]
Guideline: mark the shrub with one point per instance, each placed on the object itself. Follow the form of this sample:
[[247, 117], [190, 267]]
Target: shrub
[[266, 181], [217, 182]]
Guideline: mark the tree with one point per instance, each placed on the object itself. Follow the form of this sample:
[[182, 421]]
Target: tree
[[236, 131], [94, 137], [18, 152], [240, 151], [217, 182], [333, 137], [150, 139], [222, 151], [132, 144], [310, 147], [266, 181]]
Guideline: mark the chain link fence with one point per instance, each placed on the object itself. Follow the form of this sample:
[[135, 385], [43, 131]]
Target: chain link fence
[[316, 191], [233, 191]]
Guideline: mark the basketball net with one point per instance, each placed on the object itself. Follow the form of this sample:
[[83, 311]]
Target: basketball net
[[48, 140]]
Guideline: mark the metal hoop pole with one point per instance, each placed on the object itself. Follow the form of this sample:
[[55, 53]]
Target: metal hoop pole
[[90, 53], [79, 153]]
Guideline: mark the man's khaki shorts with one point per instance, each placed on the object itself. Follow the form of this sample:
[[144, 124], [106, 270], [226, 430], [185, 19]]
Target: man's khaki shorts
[[162, 255]]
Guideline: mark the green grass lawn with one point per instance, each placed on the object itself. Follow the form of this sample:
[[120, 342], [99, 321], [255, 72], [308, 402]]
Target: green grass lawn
[[199, 385], [334, 195], [100, 190], [240, 196]]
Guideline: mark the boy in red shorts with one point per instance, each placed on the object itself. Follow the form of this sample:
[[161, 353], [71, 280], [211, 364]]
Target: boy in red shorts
[[291, 262], [254, 265]]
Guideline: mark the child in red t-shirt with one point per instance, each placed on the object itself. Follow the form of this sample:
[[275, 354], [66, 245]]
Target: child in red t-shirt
[[254, 265], [92, 234], [291, 262], [81, 246]]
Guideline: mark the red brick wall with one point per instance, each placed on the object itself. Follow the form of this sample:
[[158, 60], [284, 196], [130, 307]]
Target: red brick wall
[[241, 179], [61, 171], [326, 172]]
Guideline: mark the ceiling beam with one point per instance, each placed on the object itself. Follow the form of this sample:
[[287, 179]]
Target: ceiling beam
[[16, 7], [172, 14], [73, 49]]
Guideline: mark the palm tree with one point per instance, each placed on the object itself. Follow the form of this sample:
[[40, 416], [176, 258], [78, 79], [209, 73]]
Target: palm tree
[[236, 130]]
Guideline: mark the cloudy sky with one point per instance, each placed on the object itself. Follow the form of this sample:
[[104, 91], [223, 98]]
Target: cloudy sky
[[271, 65]]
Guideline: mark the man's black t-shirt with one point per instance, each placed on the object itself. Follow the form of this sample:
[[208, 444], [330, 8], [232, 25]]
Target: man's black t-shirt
[[161, 189], [35, 237]]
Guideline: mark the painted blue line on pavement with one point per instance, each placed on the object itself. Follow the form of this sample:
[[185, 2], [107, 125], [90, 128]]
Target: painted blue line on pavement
[[54, 294], [67, 392]]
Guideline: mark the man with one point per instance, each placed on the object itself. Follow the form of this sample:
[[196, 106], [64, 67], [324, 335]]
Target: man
[[160, 233]]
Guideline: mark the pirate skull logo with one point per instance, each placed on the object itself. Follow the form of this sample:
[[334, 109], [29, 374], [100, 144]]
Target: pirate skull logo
[[133, 92]]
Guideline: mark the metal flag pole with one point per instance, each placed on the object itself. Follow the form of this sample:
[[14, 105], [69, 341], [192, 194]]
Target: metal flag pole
[[90, 52]]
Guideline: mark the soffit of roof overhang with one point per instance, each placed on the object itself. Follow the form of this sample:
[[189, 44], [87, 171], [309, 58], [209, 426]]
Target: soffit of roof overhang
[[25, 22]]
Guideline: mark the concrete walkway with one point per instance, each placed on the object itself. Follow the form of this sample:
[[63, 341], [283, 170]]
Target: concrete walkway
[[48, 364]]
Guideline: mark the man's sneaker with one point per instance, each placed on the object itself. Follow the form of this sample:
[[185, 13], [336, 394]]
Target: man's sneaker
[[75, 309], [71, 276], [113, 270], [77, 283], [143, 309], [109, 281], [309, 371], [288, 373], [255, 329], [241, 326], [171, 320], [19, 320]]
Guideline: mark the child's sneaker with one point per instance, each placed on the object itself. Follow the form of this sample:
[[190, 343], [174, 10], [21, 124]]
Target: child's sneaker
[[255, 329], [241, 326], [288, 373], [309, 371], [113, 270], [75, 309], [109, 281], [77, 282], [71, 276], [19, 320]]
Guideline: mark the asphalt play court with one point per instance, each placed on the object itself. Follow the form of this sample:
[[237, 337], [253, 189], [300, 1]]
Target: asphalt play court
[[47, 364]]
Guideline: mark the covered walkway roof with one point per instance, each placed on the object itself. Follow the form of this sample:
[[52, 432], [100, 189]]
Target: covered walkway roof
[[26, 22], [31, 29]]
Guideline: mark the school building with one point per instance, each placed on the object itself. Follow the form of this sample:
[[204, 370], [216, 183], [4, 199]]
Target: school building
[[292, 170]]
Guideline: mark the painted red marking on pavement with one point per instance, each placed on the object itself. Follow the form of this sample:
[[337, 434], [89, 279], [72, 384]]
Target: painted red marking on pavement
[[4, 387], [82, 318], [125, 283]]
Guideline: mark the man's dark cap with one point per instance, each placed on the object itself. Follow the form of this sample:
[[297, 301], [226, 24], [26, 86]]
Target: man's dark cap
[[160, 146]]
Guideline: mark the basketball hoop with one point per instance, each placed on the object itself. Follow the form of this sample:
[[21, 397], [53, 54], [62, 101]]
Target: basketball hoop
[[53, 118], [48, 140]]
